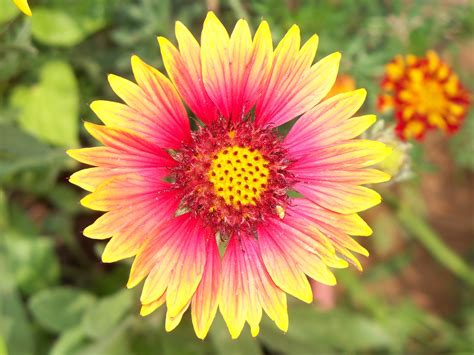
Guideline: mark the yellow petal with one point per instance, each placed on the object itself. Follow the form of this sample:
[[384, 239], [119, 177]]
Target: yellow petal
[[23, 6]]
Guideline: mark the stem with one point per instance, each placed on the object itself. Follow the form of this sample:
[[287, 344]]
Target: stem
[[421, 231]]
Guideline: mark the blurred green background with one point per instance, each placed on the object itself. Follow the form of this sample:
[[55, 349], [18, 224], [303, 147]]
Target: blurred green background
[[56, 297]]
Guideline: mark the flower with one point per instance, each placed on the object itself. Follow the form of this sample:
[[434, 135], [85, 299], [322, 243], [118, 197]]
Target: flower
[[23, 6], [174, 197], [344, 83], [425, 94]]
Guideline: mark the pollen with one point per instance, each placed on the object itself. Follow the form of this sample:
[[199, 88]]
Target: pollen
[[239, 175]]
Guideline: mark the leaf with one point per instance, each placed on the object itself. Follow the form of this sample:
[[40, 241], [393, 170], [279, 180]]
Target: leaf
[[32, 261], [69, 342], [60, 308], [16, 144], [66, 26], [9, 11], [106, 314], [313, 331], [115, 343], [56, 28], [49, 110], [21, 152], [15, 329], [3, 346]]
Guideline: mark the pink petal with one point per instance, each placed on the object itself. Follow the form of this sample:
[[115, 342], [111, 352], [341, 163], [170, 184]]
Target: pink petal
[[234, 67], [282, 267], [315, 126], [294, 86], [184, 69]]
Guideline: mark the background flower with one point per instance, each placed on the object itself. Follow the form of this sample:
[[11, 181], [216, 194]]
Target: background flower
[[344, 83], [424, 94]]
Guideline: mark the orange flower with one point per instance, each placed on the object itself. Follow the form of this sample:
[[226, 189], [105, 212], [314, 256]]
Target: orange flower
[[344, 83], [425, 94]]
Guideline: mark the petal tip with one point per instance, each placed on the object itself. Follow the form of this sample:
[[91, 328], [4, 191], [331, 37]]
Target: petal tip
[[307, 298], [71, 153], [254, 330], [210, 14], [107, 258], [201, 333], [162, 41], [89, 126], [294, 28], [282, 323], [362, 92], [86, 201], [94, 105], [144, 312], [135, 59]]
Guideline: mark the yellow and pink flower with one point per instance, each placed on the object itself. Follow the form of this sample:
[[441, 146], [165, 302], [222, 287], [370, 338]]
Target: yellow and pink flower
[[424, 94], [174, 197]]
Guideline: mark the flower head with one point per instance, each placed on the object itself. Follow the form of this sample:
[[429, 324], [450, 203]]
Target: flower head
[[23, 6], [425, 94], [174, 197]]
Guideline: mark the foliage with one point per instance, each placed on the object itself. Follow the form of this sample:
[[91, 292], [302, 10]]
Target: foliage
[[55, 295]]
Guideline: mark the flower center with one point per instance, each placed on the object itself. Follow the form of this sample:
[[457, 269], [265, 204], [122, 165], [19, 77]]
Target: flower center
[[233, 176], [432, 97], [239, 175]]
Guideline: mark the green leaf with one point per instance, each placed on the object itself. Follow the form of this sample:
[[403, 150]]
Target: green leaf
[[9, 11], [115, 343], [49, 110], [106, 314], [69, 342], [56, 28], [15, 328], [16, 144], [66, 26], [60, 308], [313, 331], [21, 152], [32, 261], [3, 346]]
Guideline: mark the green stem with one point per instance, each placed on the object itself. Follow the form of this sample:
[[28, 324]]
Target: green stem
[[422, 232]]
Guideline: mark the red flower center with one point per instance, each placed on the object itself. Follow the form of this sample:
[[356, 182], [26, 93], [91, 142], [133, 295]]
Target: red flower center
[[233, 176]]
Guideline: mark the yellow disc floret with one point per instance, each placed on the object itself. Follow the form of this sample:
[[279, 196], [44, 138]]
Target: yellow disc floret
[[239, 175]]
